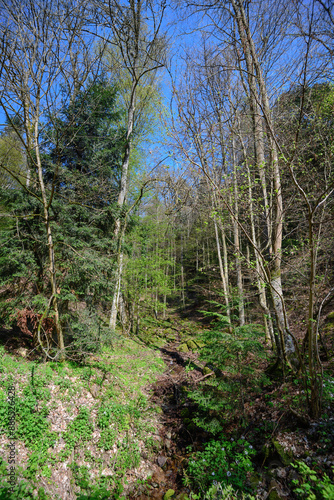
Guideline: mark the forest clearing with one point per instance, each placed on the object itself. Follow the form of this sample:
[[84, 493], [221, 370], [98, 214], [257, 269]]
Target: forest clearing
[[166, 250]]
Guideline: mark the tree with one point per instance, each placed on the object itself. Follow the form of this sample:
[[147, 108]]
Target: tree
[[41, 47], [137, 49]]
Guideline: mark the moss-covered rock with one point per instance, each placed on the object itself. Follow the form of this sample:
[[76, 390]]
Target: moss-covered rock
[[183, 347], [255, 480], [286, 456], [207, 370], [192, 345], [330, 317], [200, 343], [169, 494], [274, 495]]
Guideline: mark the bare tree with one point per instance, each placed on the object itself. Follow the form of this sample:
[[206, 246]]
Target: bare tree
[[137, 51]]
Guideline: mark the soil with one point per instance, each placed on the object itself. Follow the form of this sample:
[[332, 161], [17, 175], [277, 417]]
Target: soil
[[168, 392]]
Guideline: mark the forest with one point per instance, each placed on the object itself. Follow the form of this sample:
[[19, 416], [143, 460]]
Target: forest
[[166, 249]]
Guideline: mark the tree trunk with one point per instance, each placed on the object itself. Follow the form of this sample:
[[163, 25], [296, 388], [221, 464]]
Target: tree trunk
[[237, 241], [52, 267], [274, 275], [222, 274]]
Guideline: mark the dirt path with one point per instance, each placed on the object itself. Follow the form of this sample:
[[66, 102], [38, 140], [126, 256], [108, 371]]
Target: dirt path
[[169, 393]]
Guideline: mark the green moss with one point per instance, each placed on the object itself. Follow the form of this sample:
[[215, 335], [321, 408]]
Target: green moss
[[191, 345], [200, 343], [183, 347], [286, 456], [330, 317], [169, 494], [273, 495], [207, 370]]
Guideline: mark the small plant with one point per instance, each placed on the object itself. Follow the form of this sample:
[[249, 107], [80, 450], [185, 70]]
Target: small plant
[[107, 439], [128, 456], [21, 491], [311, 486], [119, 414], [226, 462], [79, 430]]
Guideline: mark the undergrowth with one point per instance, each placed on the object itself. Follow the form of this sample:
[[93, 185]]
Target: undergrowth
[[117, 414]]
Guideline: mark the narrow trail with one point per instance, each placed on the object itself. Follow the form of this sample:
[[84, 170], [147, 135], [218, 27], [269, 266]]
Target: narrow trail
[[170, 394]]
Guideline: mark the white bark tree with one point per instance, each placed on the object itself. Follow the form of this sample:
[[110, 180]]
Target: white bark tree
[[137, 51]]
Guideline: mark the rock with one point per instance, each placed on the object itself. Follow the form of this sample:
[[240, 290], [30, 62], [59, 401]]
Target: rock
[[169, 494], [158, 477], [281, 473], [161, 461], [22, 352], [285, 455], [191, 345], [255, 480], [273, 495], [207, 370], [200, 343], [330, 317], [168, 444], [183, 347], [276, 492], [149, 474]]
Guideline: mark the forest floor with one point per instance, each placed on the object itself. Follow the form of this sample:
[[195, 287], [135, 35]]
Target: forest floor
[[273, 421], [125, 422]]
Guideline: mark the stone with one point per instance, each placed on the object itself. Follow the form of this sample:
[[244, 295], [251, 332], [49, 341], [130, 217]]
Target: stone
[[168, 444], [183, 347], [22, 352], [158, 477], [286, 456], [169, 494], [200, 343], [276, 492], [161, 461], [255, 480], [207, 370], [191, 345]]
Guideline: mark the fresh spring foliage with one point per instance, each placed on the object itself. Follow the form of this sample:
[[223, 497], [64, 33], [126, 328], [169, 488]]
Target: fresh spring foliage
[[22, 490], [311, 486], [237, 351], [82, 151], [80, 429], [227, 462]]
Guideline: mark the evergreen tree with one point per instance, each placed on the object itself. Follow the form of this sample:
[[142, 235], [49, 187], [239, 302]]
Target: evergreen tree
[[82, 150]]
